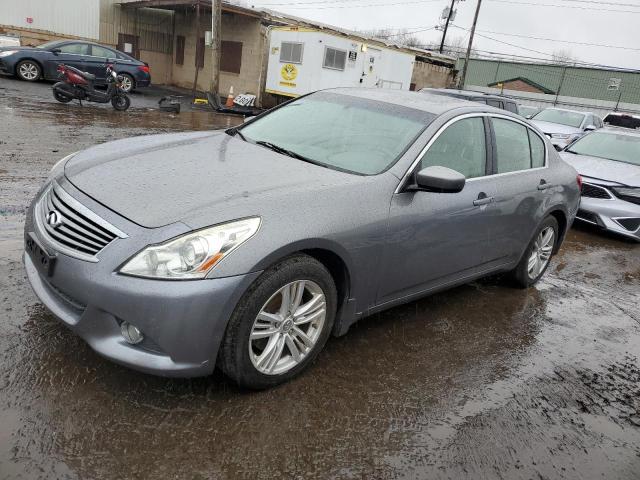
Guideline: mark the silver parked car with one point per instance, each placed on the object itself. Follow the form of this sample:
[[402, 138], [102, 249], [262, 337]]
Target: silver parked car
[[564, 126], [247, 248], [609, 162]]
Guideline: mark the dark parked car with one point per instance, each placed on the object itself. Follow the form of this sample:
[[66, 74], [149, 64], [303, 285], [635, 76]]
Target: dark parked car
[[248, 248], [35, 63], [497, 101]]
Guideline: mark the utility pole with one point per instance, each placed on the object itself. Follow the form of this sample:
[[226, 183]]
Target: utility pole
[[473, 32], [216, 46], [446, 25]]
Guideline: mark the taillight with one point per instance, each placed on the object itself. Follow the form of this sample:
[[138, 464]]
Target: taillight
[[579, 182], [144, 68]]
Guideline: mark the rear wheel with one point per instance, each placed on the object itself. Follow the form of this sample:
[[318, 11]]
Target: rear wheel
[[280, 325], [536, 258], [28, 70], [61, 97], [120, 102], [127, 84]]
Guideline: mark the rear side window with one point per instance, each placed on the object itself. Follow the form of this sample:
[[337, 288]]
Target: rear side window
[[494, 103], [461, 147], [102, 52], [512, 146], [511, 107], [537, 150]]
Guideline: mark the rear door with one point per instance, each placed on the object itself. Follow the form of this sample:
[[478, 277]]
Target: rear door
[[523, 184], [97, 61], [436, 238], [71, 54]]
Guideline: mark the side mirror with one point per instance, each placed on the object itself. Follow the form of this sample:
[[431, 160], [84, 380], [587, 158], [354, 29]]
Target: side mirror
[[590, 128], [55, 51], [439, 179]]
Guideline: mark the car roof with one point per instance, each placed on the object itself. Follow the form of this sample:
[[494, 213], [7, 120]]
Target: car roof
[[464, 93], [427, 102]]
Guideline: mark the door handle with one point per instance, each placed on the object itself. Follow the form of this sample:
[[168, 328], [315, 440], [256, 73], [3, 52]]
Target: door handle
[[482, 200], [543, 185]]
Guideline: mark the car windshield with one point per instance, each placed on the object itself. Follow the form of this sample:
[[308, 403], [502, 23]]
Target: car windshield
[[50, 44], [625, 121], [613, 146], [563, 117], [344, 132]]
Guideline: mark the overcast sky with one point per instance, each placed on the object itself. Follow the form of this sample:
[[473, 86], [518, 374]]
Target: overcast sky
[[612, 22]]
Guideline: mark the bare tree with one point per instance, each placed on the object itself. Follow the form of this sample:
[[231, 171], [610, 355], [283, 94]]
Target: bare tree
[[402, 36], [564, 57], [454, 46]]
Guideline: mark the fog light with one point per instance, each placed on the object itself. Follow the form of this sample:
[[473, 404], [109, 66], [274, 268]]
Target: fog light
[[130, 333]]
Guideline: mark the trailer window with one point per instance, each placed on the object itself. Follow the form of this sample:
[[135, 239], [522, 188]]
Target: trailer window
[[334, 58], [291, 52]]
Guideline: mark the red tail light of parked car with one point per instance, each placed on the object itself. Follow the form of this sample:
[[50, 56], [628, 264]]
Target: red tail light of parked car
[[144, 68]]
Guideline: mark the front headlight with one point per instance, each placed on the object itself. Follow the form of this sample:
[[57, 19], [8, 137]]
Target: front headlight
[[191, 255], [7, 53], [627, 193]]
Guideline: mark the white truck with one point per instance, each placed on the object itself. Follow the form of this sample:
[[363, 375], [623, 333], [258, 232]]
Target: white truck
[[302, 60]]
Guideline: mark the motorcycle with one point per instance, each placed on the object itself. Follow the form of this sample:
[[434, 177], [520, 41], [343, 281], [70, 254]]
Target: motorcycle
[[79, 85]]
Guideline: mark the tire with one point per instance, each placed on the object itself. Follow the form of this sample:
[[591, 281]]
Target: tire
[[61, 97], [528, 272], [245, 359], [120, 102], [128, 83], [28, 70]]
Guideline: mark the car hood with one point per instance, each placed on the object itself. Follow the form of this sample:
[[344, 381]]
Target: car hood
[[161, 179], [603, 169], [548, 127]]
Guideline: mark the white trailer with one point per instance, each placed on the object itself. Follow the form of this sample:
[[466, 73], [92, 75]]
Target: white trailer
[[302, 60]]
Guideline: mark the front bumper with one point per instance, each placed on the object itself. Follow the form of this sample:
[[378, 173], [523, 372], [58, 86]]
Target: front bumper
[[183, 322], [614, 215]]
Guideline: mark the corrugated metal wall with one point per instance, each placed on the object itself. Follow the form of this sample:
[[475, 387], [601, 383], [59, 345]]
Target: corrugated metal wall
[[79, 18], [588, 83], [153, 26]]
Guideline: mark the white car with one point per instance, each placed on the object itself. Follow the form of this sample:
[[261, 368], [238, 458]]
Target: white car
[[565, 126], [9, 41]]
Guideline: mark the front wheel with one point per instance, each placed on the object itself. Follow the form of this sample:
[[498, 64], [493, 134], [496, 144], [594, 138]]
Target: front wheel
[[120, 102], [280, 324], [28, 70], [536, 258]]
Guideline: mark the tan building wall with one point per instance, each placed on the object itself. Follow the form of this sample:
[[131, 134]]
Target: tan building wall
[[430, 75], [237, 28]]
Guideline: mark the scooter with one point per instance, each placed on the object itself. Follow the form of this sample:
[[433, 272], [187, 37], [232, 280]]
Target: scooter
[[79, 85]]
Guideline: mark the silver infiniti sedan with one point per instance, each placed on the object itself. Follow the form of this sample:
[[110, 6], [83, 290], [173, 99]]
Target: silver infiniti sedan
[[609, 162], [564, 126], [247, 248]]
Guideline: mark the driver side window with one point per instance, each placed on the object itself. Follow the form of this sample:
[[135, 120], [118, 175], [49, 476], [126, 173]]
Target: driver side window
[[461, 147]]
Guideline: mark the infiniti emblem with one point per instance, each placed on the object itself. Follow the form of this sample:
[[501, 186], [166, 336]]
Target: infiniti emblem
[[54, 219]]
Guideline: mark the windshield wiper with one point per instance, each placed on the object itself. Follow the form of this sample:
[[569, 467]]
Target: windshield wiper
[[570, 151], [284, 151], [236, 132]]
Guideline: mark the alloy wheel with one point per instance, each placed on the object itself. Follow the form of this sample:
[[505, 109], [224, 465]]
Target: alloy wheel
[[287, 327], [126, 85], [28, 71], [541, 252]]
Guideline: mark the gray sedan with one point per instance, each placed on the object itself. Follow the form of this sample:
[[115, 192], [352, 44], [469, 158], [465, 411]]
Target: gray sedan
[[609, 162], [565, 126], [247, 248]]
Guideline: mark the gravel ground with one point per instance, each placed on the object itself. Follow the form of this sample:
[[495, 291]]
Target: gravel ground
[[483, 381]]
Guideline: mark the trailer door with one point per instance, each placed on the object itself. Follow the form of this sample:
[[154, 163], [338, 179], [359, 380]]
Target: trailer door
[[370, 68]]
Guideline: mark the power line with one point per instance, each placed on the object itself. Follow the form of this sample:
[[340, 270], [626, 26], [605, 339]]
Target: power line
[[563, 41], [510, 2]]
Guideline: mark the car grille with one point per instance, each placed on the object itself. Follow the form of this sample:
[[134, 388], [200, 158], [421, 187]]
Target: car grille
[[75, 230], [631, 224], [594, 191]]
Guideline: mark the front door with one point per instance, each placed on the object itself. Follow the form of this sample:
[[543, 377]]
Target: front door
[[439, 238], [370, 67], [71, 54]]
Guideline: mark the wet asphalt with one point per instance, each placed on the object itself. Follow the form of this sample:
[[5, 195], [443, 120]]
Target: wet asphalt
[[482, 381]]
